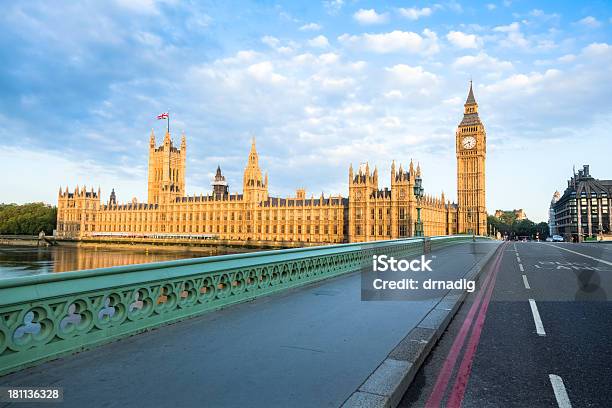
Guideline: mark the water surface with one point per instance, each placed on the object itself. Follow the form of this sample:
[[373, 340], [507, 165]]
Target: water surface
[[23, 261]]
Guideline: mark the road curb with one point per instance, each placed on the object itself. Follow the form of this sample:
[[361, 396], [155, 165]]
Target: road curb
[[386, 385]]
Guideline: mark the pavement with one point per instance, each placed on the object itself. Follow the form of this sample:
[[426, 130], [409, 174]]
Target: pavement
[[309, 347], [542, 338]]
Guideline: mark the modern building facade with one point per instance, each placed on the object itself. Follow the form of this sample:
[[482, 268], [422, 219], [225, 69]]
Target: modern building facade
[[368, 214], [552, 225], [583, 211]]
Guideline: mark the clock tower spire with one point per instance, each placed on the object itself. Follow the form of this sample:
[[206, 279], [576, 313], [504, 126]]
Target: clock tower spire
[[471, 152]]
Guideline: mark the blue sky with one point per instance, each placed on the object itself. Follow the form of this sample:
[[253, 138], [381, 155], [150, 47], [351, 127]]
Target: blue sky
[[320, 84]]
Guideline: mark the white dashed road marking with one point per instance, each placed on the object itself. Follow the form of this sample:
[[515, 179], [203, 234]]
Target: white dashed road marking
[[560, 392], [526, 282], [536, 318]]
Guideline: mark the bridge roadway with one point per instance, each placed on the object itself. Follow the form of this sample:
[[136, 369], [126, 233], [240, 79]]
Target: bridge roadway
[[307, 347], [512, 358]]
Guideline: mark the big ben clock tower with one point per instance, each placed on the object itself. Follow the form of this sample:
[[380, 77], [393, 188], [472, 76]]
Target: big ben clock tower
[[471, 147]]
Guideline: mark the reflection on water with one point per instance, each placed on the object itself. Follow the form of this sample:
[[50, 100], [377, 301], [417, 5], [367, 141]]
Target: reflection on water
[[22, 261]]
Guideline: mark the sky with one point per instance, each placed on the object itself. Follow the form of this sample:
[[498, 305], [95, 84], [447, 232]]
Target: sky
[[320, 84]]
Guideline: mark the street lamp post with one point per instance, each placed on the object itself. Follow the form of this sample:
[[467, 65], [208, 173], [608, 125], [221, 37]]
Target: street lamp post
[[418, 193]]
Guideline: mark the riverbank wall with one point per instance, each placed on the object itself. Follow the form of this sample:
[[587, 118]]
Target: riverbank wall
[[152, 244], [23, 240]]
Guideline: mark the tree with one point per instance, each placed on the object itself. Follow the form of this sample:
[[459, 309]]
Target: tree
[[509, 226], [27, 219], [542, 230]]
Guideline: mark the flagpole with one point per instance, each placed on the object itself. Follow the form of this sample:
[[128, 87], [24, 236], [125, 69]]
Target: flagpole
[[168, 119]]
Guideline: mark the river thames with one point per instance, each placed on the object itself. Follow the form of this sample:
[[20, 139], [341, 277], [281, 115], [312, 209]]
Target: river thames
[[24, 261]]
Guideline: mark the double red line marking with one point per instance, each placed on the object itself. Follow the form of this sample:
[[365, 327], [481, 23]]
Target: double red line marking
[[476, 315]]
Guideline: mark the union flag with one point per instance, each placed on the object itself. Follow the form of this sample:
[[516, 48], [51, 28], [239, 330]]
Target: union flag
[[163, 115]]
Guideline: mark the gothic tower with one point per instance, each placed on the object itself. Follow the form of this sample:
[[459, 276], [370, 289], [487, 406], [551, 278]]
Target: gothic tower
[[220, 187], [166, 170], [362, 186], [471, 149], [402, 197], [254, 187]]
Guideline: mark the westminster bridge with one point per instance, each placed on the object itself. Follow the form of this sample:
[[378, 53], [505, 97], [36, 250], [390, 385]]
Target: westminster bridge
[[271, 328]]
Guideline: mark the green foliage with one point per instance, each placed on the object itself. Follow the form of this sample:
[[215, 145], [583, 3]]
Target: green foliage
[[507, 225], [508, 217], [27, 219]]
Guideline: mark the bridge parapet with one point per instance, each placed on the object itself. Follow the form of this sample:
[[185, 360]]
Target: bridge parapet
[[45, 316]]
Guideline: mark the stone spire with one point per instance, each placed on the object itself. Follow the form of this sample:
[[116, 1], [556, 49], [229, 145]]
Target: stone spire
[[255, 188], [470, 99], [253, 156], [470, 110]]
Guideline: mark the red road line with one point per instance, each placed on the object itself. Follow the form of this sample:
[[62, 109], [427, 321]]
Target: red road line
[[463, 373], [437, 394]]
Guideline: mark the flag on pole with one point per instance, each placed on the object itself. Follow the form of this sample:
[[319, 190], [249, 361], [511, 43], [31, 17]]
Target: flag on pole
[[165, 115]]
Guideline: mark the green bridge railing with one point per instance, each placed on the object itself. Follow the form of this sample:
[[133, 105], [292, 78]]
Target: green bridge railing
[[45, 316]]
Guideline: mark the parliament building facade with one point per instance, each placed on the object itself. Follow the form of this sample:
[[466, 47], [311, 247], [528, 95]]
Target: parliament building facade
[[368, 213]]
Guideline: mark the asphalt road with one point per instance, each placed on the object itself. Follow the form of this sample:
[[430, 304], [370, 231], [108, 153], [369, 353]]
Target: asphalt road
[[308, 347], [493, 353]]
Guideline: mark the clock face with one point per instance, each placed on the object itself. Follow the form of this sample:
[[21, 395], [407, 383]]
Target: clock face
[[468, 142]]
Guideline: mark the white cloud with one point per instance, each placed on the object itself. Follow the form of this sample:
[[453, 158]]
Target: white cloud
[[394, 94], [482, 61], [491, 6], [462, 40], [198, 20], [264, 72], [370, 16], [508, 28], [567, 58], [139, 6], [333, 6], [310, 27], [524, 83], [270, 41], [395, 41], [332, 84], [329, 58], [406, 74], [415, 13], [319, 41], [514, 38], [590, 22], [148, 39], [597, 49]]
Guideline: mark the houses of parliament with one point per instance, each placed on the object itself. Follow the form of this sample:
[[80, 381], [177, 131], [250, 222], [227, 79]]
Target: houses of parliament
[[368, 213]]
